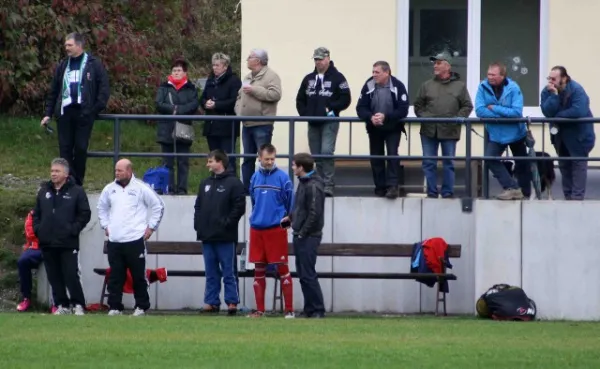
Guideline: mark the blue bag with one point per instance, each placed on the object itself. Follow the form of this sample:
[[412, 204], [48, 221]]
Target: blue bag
[[158, 179]]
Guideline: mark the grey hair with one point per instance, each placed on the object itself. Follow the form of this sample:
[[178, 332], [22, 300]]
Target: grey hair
[[61, 161], [221, 57], [77, 37], [262, 55], [385, 66]]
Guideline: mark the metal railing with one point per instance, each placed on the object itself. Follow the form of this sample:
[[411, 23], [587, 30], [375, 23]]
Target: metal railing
[[468, 158]]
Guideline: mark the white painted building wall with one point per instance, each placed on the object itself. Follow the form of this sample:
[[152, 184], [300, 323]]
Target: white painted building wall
[[550, 248]]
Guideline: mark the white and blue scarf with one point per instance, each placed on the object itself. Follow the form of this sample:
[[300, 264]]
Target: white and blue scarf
[[66, 90]]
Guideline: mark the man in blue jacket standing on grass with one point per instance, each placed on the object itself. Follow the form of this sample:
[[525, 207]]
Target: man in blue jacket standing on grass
[[565, 98], [272, 196], [501, 97]]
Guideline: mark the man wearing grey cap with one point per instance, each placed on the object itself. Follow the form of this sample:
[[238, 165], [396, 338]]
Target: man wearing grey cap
[[443, 96], [259, 96], [324, 92]]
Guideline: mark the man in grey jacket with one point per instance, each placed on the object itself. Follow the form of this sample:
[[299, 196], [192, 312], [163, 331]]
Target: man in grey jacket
[[307, 220]]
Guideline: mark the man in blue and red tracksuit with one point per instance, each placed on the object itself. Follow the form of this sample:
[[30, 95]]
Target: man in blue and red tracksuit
[[272, 196]]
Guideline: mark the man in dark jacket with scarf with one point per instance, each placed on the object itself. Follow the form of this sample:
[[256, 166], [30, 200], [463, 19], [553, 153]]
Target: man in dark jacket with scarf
[[61, 212], [78, 93], [307, 221], [220, 204], [176, 96], [324, 92], [443, 96], [218, 98], [382, 104], [565, 98]]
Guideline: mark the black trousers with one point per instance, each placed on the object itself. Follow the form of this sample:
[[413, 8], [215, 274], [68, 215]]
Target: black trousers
[[74, 132], [225, 143], [379, 143], [62, 268], [183, 167], [305, 250], [123, 256]]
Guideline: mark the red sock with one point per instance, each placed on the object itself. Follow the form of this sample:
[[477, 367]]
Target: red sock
[[287, 287], [260, 285]]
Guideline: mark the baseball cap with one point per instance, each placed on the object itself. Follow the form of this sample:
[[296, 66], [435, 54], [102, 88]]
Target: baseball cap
[[444, 56], [321, 53]]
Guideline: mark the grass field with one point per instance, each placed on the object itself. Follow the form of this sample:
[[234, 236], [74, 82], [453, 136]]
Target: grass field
[[173, 342]]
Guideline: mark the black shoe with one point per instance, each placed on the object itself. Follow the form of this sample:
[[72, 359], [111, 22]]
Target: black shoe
[[448, 196], [392, 193], [209, 309], [380, 192], [328, 191], [318, 316], [429, 196]]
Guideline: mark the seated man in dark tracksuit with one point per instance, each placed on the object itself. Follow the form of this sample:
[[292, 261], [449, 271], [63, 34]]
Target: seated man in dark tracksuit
[[30, 259]]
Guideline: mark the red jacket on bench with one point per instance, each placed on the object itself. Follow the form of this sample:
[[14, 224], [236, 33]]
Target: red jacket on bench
[[152, 275]]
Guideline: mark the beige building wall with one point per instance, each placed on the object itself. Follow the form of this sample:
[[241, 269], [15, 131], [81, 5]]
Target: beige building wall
[[359, 33], [573, 43]]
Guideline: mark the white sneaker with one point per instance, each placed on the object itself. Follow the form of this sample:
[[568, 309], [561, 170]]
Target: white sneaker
[[62, 311], [79, 310], [290, 315], [114, 312], [138, 312]]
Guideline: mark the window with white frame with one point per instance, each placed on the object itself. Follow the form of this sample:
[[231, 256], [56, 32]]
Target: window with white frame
[[476, 33], [510, 34]]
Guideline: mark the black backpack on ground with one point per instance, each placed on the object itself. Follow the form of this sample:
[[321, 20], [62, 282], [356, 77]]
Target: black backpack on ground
[[506, 302]]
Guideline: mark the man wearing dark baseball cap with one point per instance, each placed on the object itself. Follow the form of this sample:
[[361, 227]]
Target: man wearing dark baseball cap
[[323, 93], [443, 56], [443, 96]]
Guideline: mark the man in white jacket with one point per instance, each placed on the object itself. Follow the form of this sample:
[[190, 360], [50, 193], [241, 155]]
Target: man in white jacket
[[123, 212]]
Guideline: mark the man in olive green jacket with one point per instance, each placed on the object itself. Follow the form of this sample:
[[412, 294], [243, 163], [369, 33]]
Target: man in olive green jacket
[[443, 96], [259, 96]]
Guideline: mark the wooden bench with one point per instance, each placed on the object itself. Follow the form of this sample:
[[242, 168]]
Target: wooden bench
[[326, 249]]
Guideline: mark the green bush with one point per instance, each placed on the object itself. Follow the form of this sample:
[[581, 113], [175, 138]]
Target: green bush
[[137, 40]]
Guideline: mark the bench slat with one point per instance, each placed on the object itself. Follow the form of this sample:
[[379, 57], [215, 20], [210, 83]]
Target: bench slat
[[326, 249], [323, 275]]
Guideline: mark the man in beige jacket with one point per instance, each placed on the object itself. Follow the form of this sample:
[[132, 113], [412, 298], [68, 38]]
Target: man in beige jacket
[[259, 95]]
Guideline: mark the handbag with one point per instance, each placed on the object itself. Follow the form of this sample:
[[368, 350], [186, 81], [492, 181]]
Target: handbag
[[182, 132]]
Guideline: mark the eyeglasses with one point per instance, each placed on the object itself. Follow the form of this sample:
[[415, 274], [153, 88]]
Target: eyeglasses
[[551, 79]]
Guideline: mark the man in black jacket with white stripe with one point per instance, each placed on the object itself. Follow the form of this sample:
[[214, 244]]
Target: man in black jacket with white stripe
[[78, 93], [382, 104], [61, 212], [324, 92]]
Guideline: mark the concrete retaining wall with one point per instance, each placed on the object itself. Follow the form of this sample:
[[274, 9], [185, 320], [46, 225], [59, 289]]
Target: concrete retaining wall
[[547, 247]]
